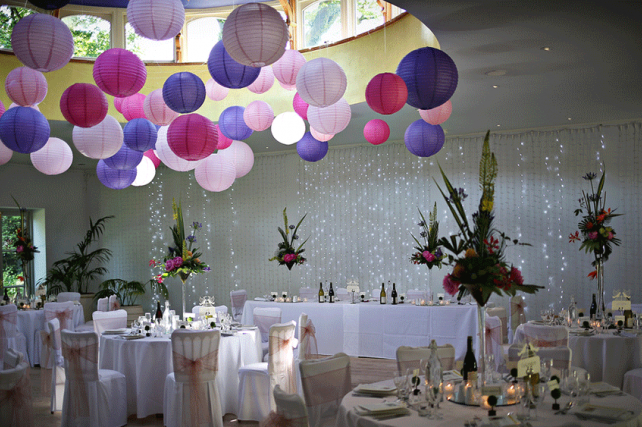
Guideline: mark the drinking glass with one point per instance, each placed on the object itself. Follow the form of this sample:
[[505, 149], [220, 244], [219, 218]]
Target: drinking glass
[[573, 387], [402, 382], [522, 394], [583, 388], [537, 395], [546, 367], [148, 317]]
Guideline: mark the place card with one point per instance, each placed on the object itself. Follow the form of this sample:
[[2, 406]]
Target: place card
[[491, 390], [530, 362], [617, 319], [621, 305], [553, 384]]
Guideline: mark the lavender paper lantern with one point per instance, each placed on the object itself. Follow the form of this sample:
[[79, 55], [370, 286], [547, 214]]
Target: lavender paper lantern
[[26, 87], [24, 130], [192, 137], [311, 150], [54, 158], [156, 110], [231, 123], [430, 75], [258, 115], [101, 141], [437, 115], [167, 156], [116, 179], [132, 107], [119, 72], [376, 131], [423, 139], [84, 105], [151, 156], [223, 141], [321, 82], [49, 4], [300, 106], [139, 135], [288, 128], [124, 159], [332, 119], [263, 82], [288, 66], [42, 42], [386, 93], [145, 172], [241, 156], [5, 153], [184, 92], [215, 173], [215, 91], [320, 136], [227, 72], [156, 19]]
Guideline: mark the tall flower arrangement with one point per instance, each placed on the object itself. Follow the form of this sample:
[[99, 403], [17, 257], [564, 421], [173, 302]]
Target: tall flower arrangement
[[428, 252], [23, 243], [287, 254]]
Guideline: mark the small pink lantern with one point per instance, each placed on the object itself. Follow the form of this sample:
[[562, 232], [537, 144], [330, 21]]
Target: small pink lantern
[[263, 82], [288, 87], [118, 104], [167, 156], [14, 105], [192, 137], [145, 172], [215, 91], [119, 72], [151, 156], [54, 158], [223, 141], [156, 110], [100, 141], [84, 105], [42, 42], [5, 153], [437, 115], [300, 106], [215, 173], [26, 87], [386, 93], [156, 19], [132, 107], [258, 115], [2, 110], [323, 137], [241, 155], [288, 66], [332, 119], [376, 131], [321, 82]]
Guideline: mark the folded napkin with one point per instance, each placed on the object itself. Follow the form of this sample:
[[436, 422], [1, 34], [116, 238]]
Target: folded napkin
[[603, 413], [259, 299]]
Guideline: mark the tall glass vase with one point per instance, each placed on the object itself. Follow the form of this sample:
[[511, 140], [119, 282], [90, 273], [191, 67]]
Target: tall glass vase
[[183, 278], [481, 360], [599, 268]]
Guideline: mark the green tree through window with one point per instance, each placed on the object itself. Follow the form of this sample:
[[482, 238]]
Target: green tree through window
[[9, 17], [322, 22], [11, 265]]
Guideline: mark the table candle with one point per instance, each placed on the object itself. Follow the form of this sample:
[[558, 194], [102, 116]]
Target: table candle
[[423, 302], [510, 393]]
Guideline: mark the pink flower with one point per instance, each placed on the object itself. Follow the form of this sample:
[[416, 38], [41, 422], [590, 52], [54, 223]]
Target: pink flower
[[450, 286], [169, 265], [516, 276], [592, 235], [429, 257], [289, 257], [178, 261], [20, 249], [610, 236]]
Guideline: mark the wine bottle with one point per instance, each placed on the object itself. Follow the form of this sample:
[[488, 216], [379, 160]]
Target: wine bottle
[[534, 378], [628, 318], [593, 309], [394, 294], [331, 294], [6, 296], [469, 370], [321, 293], [382, 294], [572, 311], [159, 313]]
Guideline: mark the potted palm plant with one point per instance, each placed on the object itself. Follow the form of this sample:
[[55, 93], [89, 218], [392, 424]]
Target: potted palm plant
[[128, 292]]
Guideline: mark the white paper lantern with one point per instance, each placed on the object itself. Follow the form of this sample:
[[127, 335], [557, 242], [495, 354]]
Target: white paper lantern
[[215, 91], [145, 172], [332, 119], [437, 115], [167, 156], [323, 137], [255, 34], [288, 66], [42, 42], [263, 82], [258, 115], [288, 128], [26, 87], [321, 82], [156, 110], [54, 158], [241, 155], [156, 19], [5, 153], [215, 173], [100, 141]]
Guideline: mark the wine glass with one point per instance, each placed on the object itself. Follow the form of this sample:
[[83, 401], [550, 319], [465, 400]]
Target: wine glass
[[434, 393], [537, 395], [400, 379]]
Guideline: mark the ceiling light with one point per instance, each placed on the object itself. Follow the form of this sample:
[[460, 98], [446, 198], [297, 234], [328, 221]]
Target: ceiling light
[[496, 73], [546, 48], [495, 86], [498, 125], [569, 119]]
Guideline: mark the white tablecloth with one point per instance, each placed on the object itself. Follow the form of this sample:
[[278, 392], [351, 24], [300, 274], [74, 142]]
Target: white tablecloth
[[31, 322], [374, 330], [146, 362]]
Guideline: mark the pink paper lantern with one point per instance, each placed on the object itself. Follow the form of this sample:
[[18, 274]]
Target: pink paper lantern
[[151, 156], [288, 66], [5, 153], [263, 82], [84, 105], [215, 91], [192, 137], [118, 104], [437, 115], [386, 93], [42, 42], [215, 173], [100, 141], [321, 82], [300, 106], [167, 156], [258, 115], [54, 158], [145, 172], [119, 72], [323, 137], [332, 119], [241, 155], [132, 107], [288, 87], [26, 87], [223, 141], [376, 131], [2, 110], [156, 19], [156, 110]]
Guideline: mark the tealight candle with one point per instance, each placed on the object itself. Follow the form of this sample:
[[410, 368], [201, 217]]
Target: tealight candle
[[447, 302], [449, 387], [511, 392], [423, 302], [288, 299], [484, 402]]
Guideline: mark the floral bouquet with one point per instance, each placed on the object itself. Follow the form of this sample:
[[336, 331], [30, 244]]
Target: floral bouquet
[[286, 254], [23, 244], [428, 252]]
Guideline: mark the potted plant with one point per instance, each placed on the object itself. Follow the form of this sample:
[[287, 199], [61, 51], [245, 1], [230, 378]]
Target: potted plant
[[128, 292]]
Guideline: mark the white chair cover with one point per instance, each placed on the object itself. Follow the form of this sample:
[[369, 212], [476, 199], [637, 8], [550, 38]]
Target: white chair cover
[[114, 304], [104, 320], [542, 335], [12, 358], [290, 411], [311, 294], [68, 296], [409, 357], [102, 304], [238, 299], [415, 294], [633, 383], [16, 404], [93, 397], [63, 311], [10, 337], [517, 314], [47, 359], [325, 382], [191, 396], [503, 317], [494, 339], [561, 356], [58, 377], [264, 318]]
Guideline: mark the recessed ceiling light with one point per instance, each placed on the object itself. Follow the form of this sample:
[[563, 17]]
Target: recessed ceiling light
[[569, 118], [495, 86], [498, 125], [546, 48], [496, 73]]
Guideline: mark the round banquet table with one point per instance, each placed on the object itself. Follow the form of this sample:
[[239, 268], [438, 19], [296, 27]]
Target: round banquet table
[[457, 415], [146, 362]]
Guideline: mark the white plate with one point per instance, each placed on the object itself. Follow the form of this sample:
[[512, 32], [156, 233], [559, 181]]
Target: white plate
[[119, 331]]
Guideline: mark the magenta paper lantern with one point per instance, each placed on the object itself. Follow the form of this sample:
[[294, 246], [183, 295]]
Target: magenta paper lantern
[[24, 130], [423, 139], [192, 137], [300, 106], [437, 115], [145, 172], [156, 110], [84, 105], [223, 141], [258, 115], [26, 87], [288, 128], [140, 135], [5, 153], [153, 157], [42, 42], [101, 141], [167, 156], [320, 136], [54, 158], [216, 173], [376, 131], [241, 156], [215, 91], [321, 82], [156, 19], [116, 179], [263, 82], [231, 123], [332, 119], [132, 107], [227, 72], [124, 159], [119, 72], [288, 66], [311, 150], [184, 92], [386, 93]]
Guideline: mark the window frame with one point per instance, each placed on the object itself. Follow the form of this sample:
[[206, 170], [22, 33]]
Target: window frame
[[29, 284]]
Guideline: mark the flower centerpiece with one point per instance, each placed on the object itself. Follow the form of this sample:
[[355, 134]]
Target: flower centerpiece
[[428, 253], [286, 254], [25, 249]]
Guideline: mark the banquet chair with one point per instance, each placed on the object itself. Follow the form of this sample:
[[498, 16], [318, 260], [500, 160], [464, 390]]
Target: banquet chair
[[542, 335], [10, 336], [191, 395], [290, 411], [264, 317], [102, 304], [104, 320], [416, 294], [517, 315], [325, 382], [632, 383], [114, 303], [47, 360], [503, 317], [96, 397], [409, 357], [311, 294], [16, 403], [63, 311], [12, 358], [238, 299], [257, 380], [494, 340], [561, 356], [307, 338], [68, 296], [58, 377]]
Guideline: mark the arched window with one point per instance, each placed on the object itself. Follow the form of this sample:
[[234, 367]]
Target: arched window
[[369, 15], [9, 17], [92, 34], [149, 50], [202, 35], [322, 23]]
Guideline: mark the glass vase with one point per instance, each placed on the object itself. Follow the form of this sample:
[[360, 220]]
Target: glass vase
[[183, 278], [599, 268], [481, 360]]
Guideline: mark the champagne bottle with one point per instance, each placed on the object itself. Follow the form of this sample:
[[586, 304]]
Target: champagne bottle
[[572, 311], [394, 294], [159, 313], [382, 294], [593, 309], [331, 294], [321, 293], [469, 370], [534, 378], [628, 318]]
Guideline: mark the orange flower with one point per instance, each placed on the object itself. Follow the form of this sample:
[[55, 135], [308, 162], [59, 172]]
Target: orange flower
[[589, 225], [470, 253], [458, 270], [592, 274], [600, 218]]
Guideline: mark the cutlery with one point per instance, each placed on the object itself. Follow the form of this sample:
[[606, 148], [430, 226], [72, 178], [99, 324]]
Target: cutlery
[[565, 409]]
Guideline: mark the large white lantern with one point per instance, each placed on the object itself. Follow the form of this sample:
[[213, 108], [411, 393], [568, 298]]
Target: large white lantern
[[145, 172], [332, 119], [241, 155], [54, 158], [321, 82], [100, 141], [288, 128], [156, 19], [215, 173]]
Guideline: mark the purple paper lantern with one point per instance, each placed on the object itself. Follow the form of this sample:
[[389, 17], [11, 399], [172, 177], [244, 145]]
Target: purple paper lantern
[[227, 72], [140, 135], [156, 19], [24, 130], [430, 75], [232, 124], [423, 139], [42, 42], [124, 159], [310, 149], [116, 179], [184, 92], [119, 72]]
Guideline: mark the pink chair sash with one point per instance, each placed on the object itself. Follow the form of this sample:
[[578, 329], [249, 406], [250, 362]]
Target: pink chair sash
[[21, 401], [10, 318], [78, 390], [63, 317], [115, 305], [275, 419], [45, 361], [308, 333], [282, 364], [324, 388], [493, 336], [199, 411], [518, 307]]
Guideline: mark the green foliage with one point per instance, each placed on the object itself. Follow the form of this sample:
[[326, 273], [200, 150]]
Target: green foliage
[[128, 291], [319, 18], [91, 35], [367, 10], [9, 17]]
